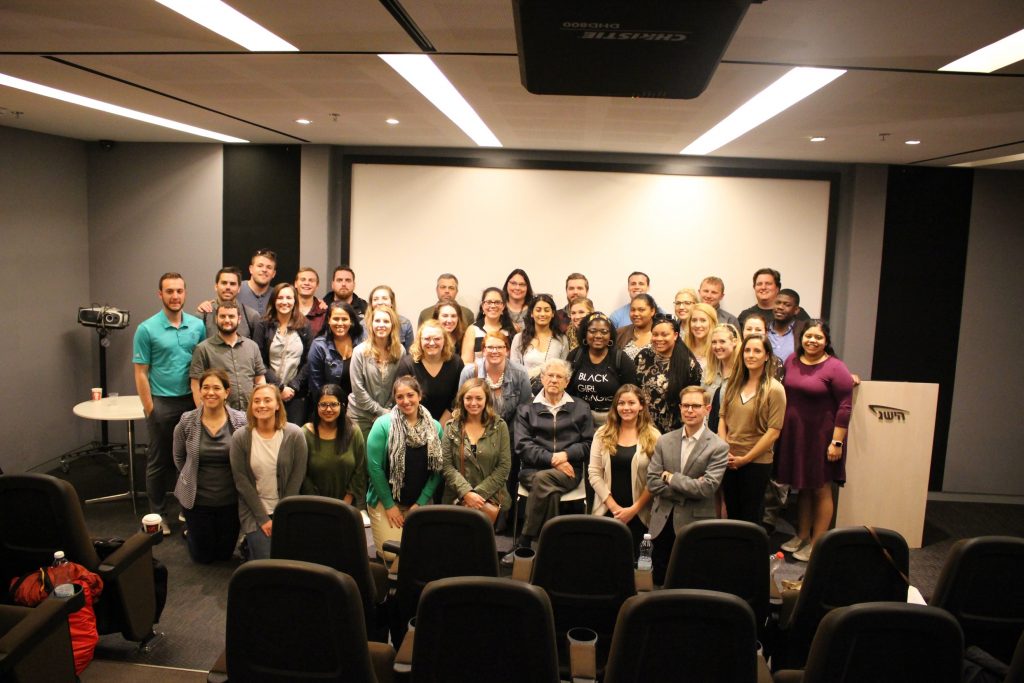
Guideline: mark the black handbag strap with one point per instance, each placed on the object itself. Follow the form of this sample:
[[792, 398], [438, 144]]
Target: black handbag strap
[[887, 554]]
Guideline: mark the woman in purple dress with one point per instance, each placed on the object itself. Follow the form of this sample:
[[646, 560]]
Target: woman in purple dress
[[812, 453]]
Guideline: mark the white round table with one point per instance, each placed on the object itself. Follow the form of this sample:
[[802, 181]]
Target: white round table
[[125, 409]]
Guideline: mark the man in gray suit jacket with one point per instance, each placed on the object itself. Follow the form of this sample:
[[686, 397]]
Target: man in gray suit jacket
[[683, 475]]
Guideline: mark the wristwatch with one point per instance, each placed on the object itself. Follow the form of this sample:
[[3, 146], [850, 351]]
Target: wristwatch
[[837, 444]]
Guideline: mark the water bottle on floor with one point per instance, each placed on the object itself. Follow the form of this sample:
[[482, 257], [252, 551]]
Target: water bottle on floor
[[644, 562]]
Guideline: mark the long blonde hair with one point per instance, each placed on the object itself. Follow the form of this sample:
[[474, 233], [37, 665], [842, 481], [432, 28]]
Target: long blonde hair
[[700, 349], [647, 434], [715, 367], [394, 346]]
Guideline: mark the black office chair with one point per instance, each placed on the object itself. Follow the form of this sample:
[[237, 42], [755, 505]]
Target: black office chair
[[980, 584], [685, 635], [439, 541], [849, 566], [39, 515], [724, 555], [883, 642], [484, 629], [297, 621], [35, 644], [585, 563], [330, 532]]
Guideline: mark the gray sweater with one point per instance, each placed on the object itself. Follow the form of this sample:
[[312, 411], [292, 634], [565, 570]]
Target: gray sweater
[[371, 390], [291, 469]]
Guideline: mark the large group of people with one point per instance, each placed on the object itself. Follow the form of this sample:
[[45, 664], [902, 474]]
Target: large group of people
[[269, 391]]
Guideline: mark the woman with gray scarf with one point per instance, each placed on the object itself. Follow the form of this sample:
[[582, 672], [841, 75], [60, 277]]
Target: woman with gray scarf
[[404, 460]]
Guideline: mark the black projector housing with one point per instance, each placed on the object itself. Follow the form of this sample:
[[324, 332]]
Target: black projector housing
[[615, 48]]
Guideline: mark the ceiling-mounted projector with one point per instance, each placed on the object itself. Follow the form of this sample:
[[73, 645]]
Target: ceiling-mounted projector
[[617, 48]]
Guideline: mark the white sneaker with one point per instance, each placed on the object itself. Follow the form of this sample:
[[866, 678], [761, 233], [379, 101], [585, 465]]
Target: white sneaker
[[793, 544], [181, 517], [803, 554], [165, 528]]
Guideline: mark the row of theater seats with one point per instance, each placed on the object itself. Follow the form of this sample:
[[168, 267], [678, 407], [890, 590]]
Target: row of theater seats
[[583, 565], [584, 569]]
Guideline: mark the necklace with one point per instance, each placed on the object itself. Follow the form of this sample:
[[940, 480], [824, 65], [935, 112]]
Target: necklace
[[495, 385]]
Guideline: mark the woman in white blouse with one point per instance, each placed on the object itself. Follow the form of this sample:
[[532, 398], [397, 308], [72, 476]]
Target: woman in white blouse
[[284, 339]]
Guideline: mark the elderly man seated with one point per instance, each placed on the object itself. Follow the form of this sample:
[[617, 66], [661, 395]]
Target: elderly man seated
[[552, 438]]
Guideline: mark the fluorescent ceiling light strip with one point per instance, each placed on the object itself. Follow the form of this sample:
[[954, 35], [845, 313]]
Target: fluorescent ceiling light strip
[[47, 91], [423, 74], [230, 23], [991, 57], [797, 84], [991, 162]]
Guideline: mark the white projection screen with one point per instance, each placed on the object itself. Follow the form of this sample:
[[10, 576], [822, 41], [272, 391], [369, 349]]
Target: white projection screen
[[408, 223]]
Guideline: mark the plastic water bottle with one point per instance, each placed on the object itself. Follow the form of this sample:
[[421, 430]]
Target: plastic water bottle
[[775, 561], [59, 560], [644, 562]]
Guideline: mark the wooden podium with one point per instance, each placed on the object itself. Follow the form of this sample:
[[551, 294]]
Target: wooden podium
[[889, 452]]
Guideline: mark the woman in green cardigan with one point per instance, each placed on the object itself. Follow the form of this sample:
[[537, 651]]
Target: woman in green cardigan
[[477, 454], [404, 462]]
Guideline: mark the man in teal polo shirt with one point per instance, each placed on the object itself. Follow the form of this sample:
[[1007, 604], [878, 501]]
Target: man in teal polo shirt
[[162, 353]]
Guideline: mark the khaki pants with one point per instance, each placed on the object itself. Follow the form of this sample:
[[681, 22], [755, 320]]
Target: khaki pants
[[382, 531]]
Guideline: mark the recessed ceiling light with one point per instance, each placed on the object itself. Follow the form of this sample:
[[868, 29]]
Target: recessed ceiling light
[[391, 122], [304, 122], [991, 57], [819, 138], [423, 74], [991, 162], [230, 23], [797, 84], [912, 142], [47, 91]]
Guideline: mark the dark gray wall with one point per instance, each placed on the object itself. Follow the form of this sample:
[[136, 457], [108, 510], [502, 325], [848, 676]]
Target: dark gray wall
[[49, 361], [153, 208], [986, 429]]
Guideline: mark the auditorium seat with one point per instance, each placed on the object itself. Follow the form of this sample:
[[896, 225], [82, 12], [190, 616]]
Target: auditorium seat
[[585, 563], [295, 621], [980, 584], [723, 555], [330, 532], [685, 635], [439, 541], [39, 515], [882, 642], [848, 566], [483, 629]]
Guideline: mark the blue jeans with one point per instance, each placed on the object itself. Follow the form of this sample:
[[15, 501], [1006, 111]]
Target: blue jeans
[[259, 545]]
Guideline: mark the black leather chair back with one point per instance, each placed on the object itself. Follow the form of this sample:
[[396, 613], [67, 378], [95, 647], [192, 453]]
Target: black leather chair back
[[295, 621], [848, 567], [441, 541], [981, 586], [683, 635], [484, 629], [886, 642], [39, 515], [724, 555], [585, 564], [325, 531]]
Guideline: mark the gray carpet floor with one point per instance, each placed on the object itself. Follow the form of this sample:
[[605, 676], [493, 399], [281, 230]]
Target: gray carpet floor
[[194, 618]]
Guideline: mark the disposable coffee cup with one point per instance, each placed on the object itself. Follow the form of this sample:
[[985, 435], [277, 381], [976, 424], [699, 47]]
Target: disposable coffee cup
[[97, 393], [151, 523]]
